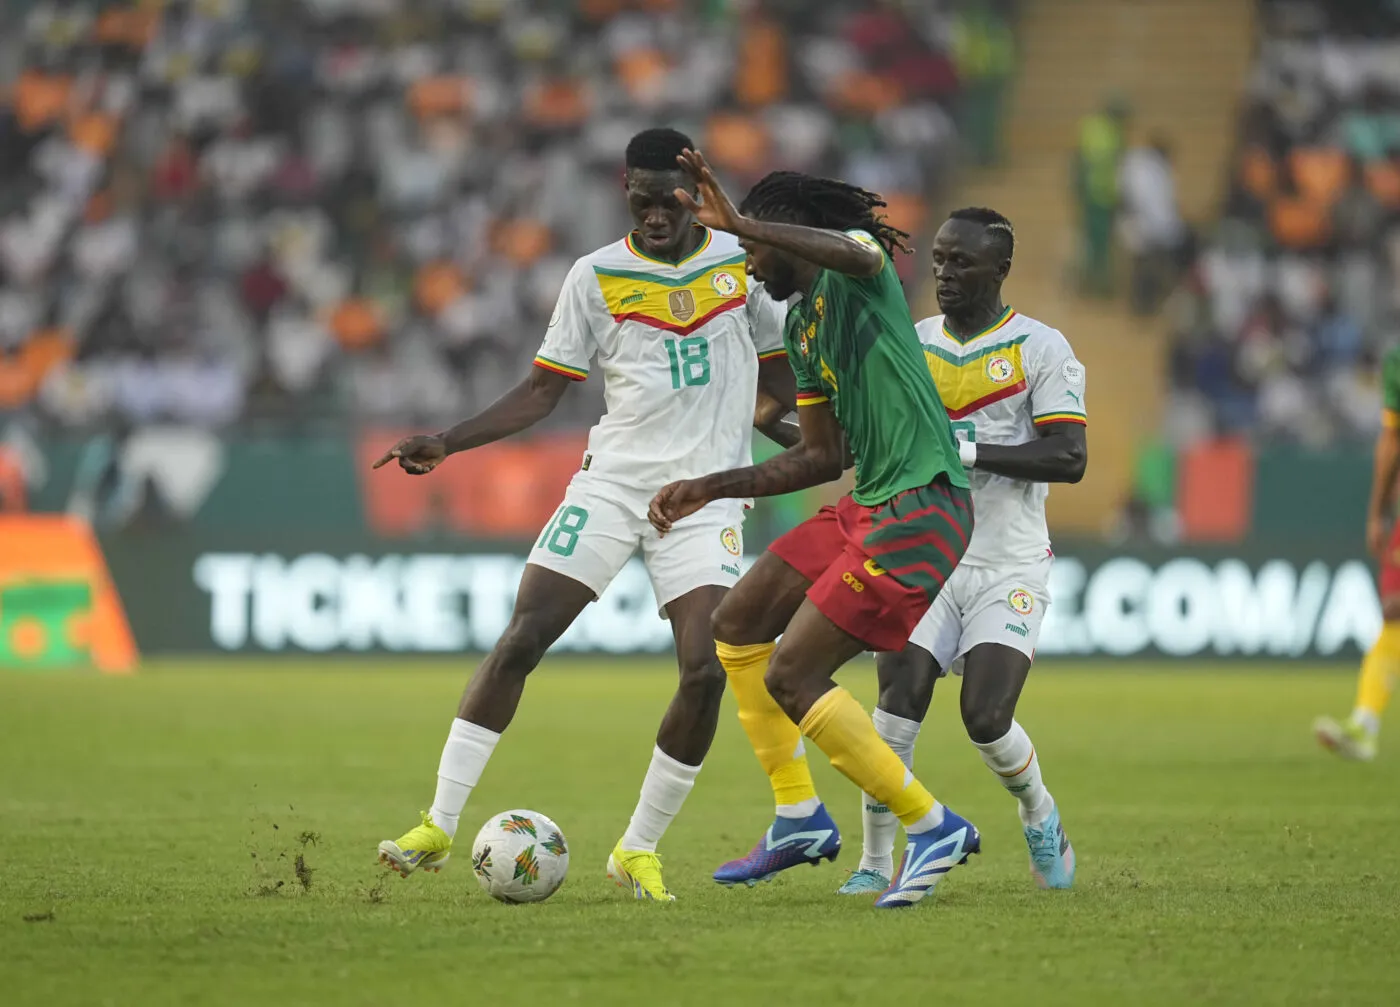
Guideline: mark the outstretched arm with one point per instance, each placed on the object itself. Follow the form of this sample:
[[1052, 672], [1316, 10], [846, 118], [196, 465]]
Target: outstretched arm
[[518, 409], [827, 249], [1059, 455], [816, 459]]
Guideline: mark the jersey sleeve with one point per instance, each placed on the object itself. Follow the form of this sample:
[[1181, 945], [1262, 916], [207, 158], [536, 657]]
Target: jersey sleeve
[[1056, 381], [809, 388], [866, 238], [568, 341], [766, 322], [1390, 390]]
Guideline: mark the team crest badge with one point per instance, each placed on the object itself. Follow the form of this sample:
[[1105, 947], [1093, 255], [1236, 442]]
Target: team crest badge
[[730, 538], [1021, 602], [1000, 369], [682, 303], [819, 306], [725, 285]]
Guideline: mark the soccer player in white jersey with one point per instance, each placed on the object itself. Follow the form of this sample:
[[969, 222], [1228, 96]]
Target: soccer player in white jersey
[[1015, 394], [682, 338]]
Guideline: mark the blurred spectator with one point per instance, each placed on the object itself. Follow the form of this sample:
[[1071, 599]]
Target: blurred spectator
[[1150, 223], [1102, 138], [1288, 306], [308, 209]]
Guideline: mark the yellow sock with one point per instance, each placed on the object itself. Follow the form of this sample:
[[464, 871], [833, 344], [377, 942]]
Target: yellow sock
[[842, 729], [775, 738], [1378, 674]]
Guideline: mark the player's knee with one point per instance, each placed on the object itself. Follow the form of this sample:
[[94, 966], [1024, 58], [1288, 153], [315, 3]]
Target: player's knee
[[781, 680], [731, 623], [898, 698], [986, 722], [519, 650], [702, 678]]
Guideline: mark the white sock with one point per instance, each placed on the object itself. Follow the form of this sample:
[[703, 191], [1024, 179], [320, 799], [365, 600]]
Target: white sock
[[1367, 720], [1012, 757], [464, 756], [877, 853], [664, 790]]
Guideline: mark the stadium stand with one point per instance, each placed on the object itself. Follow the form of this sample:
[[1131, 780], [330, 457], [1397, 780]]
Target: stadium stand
[[299, 211], [1279, 323]]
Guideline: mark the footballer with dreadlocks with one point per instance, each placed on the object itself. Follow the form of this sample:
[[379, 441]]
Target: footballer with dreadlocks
[[858, 576], [1015, 394], [682, 337]]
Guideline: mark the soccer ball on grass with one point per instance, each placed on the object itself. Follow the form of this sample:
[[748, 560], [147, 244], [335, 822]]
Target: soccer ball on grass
[[520, 856]]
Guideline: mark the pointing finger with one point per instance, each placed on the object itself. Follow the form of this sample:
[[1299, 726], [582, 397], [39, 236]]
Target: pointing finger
[[387, 457]]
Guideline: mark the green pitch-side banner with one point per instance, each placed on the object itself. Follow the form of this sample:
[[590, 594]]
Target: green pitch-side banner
[[188, 593]]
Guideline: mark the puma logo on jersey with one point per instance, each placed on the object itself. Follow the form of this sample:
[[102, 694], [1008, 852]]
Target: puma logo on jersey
[[1077, 400], [633, 298], [874, 569]]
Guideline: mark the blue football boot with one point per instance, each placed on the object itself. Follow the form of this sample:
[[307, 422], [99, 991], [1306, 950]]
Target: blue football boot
[[1052, 857], [788, 842], [928, 857]]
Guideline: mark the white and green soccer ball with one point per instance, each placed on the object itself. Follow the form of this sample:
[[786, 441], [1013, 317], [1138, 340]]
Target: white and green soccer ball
[[520, 856]]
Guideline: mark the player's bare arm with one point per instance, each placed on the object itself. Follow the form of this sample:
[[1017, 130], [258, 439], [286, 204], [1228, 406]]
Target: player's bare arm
[[826, 249], [518, 409], [816, 459], [1059, 455], [1384, 471]]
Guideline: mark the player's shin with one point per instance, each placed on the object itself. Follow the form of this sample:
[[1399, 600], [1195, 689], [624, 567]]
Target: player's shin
[[1012, 758], [839, 726], [775, 738], [666, 786], [465, 755], [880, 823], [1379, 671]]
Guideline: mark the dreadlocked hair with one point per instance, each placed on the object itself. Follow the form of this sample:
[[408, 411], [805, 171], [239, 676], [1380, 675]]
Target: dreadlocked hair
[[794, 197]]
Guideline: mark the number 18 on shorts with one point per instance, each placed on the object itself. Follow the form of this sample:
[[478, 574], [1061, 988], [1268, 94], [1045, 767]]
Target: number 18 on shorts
[[594, 533]]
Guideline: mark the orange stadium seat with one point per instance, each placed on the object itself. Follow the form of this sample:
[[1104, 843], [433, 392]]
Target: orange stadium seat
[[1258, 173], [1299, 223], [1383, 182], [437, 285], [762, 74], [866, 93], [1321, 173], [737, 142], [641, 71], [356, 323]]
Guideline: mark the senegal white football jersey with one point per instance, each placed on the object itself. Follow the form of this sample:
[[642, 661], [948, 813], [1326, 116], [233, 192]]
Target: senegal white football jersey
[[678, 346], [998, 386]]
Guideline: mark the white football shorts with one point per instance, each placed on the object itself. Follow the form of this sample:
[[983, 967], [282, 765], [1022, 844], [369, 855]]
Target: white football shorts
[[985, 605], [597, 528]]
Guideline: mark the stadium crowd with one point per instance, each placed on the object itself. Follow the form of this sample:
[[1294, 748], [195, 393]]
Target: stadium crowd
[[219, 210], [1281, 319]]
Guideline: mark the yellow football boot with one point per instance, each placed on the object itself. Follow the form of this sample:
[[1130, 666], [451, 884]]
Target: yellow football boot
[[639, 871], [423, 847]]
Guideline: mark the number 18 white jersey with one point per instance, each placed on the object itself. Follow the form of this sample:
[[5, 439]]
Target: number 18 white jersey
[[678, 345]]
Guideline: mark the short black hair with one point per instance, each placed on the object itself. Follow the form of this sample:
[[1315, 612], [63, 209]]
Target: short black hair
[[822, 202], [996, 224], [657, 149]]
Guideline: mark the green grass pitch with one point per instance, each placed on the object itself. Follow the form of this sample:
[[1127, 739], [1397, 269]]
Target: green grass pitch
[[152, 825]]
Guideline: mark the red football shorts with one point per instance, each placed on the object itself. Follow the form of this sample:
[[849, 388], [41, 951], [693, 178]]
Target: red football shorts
[[876, 570], [1390, 565]]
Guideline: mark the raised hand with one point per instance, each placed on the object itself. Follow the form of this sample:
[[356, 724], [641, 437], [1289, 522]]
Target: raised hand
[[417, 455], [675, 501], [715, 208]]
